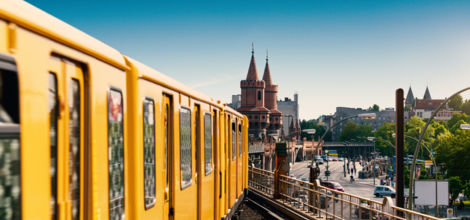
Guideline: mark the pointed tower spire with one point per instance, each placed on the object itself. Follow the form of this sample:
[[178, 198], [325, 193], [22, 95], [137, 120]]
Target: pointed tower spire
[[252, 71], [409, 97], [267, 73], [427, 94]]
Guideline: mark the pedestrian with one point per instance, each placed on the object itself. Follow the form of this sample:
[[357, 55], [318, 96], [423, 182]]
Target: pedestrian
[[352, 170]]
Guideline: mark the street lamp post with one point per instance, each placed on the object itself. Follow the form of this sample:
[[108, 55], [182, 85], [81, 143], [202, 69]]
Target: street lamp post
[[418, 145]]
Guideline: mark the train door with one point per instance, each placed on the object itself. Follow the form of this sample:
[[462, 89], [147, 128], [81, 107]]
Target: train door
[[233, 162], [239, 158], [168, 126], [217, 167], [199, 173], [67, 135]]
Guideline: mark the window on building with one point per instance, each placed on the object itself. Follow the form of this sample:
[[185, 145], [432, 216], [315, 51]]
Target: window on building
[[259, 95], [116, 155], [149, 153], [185, 147]]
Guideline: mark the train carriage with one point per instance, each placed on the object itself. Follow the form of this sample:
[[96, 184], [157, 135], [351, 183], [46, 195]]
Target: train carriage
[[87, 133]]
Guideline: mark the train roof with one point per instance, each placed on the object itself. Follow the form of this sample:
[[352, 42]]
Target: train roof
[[36, 20], [148, 73]]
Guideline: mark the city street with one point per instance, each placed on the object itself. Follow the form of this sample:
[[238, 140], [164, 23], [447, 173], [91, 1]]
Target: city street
[[360, 187]]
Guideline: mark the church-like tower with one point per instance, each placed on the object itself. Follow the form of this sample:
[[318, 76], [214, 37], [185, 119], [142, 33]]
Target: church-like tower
[[252, 101], [270, 101]]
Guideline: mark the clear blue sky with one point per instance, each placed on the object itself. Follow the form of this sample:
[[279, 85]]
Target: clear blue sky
[[333, 53]]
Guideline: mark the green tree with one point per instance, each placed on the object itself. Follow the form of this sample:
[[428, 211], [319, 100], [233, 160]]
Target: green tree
[[406, 176], [374, 108], [466, 107], [456, 118], [456, 102], [454, 151], [354, 132], [466, 190], [413, 128], [455, 187], [319, 130], [384, 140]]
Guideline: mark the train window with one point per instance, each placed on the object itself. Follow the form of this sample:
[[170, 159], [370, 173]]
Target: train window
[[240, 140], [115, 155], [53, 115], [208, 143], [185, 147], [149, 153], [234, 142], [74, 147], [10, 166]]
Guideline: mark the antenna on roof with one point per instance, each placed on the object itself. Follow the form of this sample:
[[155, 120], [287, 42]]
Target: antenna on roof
[[252, 47]]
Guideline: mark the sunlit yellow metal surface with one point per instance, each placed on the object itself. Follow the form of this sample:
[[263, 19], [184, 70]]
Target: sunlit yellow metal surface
[[43, 45]]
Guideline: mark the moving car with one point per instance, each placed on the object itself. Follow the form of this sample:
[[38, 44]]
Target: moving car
[[380, 191], [332, 185], [318, 160]]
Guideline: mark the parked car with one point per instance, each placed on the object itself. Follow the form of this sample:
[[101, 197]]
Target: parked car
[[380, 191], [309, 164], [332, 185], [318, 160], [324, 157]]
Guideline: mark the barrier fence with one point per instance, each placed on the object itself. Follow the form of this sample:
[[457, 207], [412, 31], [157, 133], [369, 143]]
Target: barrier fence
[[325, 203]]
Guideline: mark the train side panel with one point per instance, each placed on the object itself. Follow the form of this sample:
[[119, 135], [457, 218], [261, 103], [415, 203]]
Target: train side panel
[[73, 74]]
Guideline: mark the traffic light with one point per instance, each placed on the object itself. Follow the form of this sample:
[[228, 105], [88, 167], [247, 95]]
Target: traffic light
[[327, 173]]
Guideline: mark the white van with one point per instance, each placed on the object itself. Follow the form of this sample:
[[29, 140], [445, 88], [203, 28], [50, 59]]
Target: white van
[[380, 191]]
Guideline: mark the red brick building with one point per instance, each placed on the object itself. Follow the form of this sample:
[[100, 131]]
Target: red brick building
[[259, 102]]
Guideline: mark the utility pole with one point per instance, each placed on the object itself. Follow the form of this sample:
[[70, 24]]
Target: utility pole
[[399, 141]]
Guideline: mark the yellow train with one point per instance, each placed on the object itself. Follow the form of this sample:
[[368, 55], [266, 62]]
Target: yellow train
[[87, 133]]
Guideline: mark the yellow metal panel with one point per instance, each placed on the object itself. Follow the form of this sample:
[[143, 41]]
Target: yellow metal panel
[[3, 36], [23, 14]]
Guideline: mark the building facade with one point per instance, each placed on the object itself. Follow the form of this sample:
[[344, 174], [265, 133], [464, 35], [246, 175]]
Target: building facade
[[424, 107], [290, 111], [258, 102], [387, 115]]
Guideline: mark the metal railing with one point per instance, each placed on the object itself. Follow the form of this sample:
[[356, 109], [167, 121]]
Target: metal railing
[[321, 202]]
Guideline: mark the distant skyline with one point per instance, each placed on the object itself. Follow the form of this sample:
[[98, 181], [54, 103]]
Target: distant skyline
[[333, 53]]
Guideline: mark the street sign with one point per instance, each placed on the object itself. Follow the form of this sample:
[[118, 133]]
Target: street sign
[[450, 212]]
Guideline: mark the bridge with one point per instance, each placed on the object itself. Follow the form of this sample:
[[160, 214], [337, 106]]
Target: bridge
[[352, 149], [296, 199]]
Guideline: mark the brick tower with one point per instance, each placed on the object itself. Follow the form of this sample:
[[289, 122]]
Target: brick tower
[[270, 101], [252, 101]]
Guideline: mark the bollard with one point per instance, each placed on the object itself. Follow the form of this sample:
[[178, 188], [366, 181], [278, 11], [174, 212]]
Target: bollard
[[281, 168]]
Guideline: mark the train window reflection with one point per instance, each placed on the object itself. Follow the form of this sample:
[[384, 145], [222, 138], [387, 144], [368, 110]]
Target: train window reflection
[[185, 147], [149, 153], [115, 155], [208, 143]]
